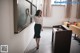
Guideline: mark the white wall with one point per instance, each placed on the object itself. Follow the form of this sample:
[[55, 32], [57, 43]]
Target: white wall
[[57, 17], [17, 42], [40, 4]]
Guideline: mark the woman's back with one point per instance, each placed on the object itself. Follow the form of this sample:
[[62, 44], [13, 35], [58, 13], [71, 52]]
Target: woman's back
[[38, 20]]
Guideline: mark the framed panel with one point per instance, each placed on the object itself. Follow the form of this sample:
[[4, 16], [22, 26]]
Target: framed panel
[[22, 8], [30, 0], [34, 2], [33, 10]]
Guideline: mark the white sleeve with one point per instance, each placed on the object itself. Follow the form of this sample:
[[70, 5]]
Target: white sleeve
[[42, 22], [31, 16]]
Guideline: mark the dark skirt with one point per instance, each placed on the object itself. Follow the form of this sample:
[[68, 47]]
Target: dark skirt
[[37, 30]]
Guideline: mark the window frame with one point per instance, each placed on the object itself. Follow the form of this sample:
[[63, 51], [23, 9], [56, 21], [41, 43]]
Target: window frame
[[59, 4]]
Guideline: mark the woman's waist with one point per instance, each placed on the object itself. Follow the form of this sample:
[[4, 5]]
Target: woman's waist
[[38, 23]]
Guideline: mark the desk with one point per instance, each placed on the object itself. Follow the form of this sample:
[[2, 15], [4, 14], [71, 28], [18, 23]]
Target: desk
[[61, 39]]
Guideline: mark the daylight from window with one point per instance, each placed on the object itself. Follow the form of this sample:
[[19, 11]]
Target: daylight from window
[[58, 2]]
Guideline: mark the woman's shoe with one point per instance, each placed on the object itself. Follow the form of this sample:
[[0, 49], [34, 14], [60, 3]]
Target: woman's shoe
[[37, 47]]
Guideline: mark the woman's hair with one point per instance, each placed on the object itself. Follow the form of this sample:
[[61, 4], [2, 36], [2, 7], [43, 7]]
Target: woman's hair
[[38, 12]]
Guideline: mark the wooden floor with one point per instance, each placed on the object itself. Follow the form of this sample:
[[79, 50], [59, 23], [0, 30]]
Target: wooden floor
[[45, 44]]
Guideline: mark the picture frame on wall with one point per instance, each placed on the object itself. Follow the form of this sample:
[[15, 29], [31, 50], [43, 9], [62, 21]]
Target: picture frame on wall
[[30, 1], [34, 2], [33, 11], [22, 9]]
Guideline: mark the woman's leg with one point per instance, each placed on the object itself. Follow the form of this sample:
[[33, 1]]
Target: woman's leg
[[37, 42]]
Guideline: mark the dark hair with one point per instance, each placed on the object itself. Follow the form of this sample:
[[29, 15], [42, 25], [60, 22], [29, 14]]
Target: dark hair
[[38, 12]]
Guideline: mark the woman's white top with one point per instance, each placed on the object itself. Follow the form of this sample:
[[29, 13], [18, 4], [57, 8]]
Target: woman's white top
[[38, 20]]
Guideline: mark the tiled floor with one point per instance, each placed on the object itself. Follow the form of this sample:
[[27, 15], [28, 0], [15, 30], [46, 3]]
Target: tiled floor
[[75, 46], [45, 44]]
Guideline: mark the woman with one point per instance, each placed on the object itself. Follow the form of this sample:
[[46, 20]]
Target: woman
[[38, 26]]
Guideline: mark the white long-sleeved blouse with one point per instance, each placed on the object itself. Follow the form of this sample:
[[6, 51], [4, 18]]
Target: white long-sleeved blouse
[[38, 20]]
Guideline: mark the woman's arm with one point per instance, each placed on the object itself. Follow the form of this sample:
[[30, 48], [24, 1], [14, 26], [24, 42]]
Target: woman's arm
[[42, 24], [31, 16]]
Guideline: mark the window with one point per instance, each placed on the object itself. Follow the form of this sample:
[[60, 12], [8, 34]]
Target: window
[[58, 2]]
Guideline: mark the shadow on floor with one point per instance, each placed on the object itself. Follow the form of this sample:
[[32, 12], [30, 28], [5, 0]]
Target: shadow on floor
[[31, 50]]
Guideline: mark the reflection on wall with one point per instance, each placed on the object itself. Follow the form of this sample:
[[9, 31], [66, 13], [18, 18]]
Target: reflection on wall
[[21, 11], [34, 9]]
